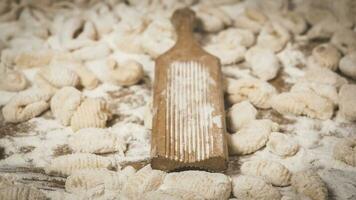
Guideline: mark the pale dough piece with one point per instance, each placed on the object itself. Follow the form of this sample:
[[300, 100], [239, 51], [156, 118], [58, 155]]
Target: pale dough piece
[[64, 103], [326, 55], [326, 91], [273, 172], [348, 65], [251, 137], [273, 36], [324, 29], [252, 188], [92, 112], [234, 36], [205, 184], [282, 145], [30, 59], [21, 192], [325, 76], [158, 37], [145, 180], [212, 18], [86, 179], [258, 92], [239, 115], [58, 76], [347, 102], [26, 105], [250, 20], [314, 14], [86, 77], [310, 184], [96, 140], [227, 53], [67, 164], [303, 103], [263, 62], [92, 52], [292, 21], [127, 73], [345, 151], [345, 40], [12, 80]]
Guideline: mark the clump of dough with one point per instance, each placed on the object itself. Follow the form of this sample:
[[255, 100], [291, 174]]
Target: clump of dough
[[212, 18], [239, 115], [273, 172], [303, 103], [21, 192], [127, 73], [145, 180], [96, 140], [67, 164], [273, 36], [205, 184], [258, 92], [92, 112], [310, 184], [282, 145], [12, 80], [64, 103], [325, 91], [325, 55], [347, 103], [251, 137], [344, 40], [26, 105], [292, 21], [348, 65], [345, 151], [324, 76], [252, 19], [251, 188], [263, 62]]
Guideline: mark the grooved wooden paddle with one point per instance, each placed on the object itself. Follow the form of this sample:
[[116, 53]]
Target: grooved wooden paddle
[[188, 108]]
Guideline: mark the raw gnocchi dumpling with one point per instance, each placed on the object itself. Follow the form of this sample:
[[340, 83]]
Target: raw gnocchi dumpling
[[263, 62], [127, 73], [345, 40], [325, 55], [34, 58], [310, 184], [324, 76], [239, 115], [67, 164], [86, 179], [345, 151], [91, 52], [251, 137], [273, 172], [251, 188], [326, 91], [347, 102], [273, 36], [252, 19], [212, 18], [64, 103], [172, 194], [21, 192], [258, 92], [158, 37], [92, 112], [208, 185], [12, 80], [303, 103], [26, 105], [145, 180], [96, 140], [347, 65], [292, 21], [282, 145]]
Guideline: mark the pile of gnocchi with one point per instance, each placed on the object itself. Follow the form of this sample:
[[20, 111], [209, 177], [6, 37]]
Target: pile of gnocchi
[[285, 63]]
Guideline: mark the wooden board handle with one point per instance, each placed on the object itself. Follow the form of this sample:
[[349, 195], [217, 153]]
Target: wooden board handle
[[183, 20]]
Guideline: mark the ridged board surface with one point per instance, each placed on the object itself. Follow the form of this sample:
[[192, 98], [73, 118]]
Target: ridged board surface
[[189, 112]]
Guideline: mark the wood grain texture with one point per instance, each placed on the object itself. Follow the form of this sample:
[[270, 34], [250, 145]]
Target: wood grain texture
[[188, 108]]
